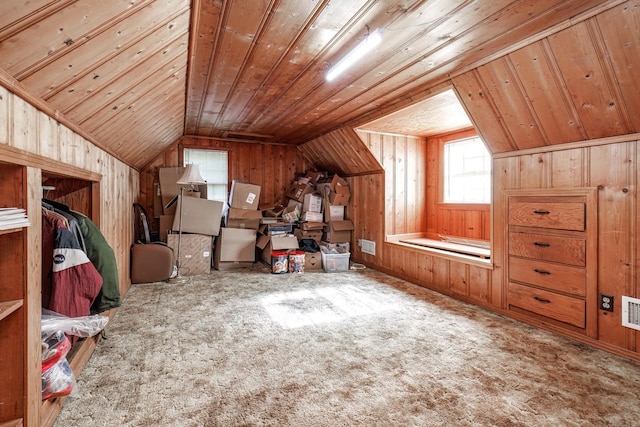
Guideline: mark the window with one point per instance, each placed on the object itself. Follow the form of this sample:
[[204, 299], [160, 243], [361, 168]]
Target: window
[[467, 172], [214, 168]]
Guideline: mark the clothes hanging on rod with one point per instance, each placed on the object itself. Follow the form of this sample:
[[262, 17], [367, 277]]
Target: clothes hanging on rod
[[71, 283]]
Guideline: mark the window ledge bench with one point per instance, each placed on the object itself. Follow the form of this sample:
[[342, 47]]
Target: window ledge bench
[[459, 252]]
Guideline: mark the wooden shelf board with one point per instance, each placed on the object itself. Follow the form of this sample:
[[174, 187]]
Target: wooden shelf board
[[8, 307]]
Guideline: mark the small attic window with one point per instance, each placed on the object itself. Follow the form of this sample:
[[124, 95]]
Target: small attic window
[[467, 171]]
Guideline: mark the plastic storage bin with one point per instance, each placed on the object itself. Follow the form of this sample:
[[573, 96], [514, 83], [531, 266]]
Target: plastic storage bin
[[335, 262]]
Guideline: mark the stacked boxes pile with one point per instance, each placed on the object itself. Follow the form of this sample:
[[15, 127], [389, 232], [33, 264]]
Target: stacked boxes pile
[[308, 231]]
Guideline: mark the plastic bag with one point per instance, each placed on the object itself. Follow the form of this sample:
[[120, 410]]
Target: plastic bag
[[59, 381], [86, 326], [54, 348]]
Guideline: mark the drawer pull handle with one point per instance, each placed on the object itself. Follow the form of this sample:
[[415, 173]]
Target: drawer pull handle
[[544, 300], [541, 212], [541, 271], [544, 245]]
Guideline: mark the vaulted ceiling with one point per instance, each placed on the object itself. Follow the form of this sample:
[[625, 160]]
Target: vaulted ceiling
[[136, 75]]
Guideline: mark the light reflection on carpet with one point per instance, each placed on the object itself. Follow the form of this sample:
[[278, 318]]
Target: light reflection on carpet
[[305, 307]]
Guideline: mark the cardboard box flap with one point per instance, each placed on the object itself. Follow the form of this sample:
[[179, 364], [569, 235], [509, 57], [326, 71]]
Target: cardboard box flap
[[284, 242], [346, 225], [236, 213], [337, 182], [199, 216], [312, 225], [263, 241]]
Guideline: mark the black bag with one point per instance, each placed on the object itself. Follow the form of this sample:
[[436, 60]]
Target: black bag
[[308, 245]]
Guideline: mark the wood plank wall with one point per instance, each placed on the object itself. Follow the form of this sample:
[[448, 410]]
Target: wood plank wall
[[392, 202], [273, 167], [30, 137], [612, 168]]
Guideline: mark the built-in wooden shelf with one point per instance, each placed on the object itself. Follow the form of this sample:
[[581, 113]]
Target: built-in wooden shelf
[[6, 308], [12, 423], [9, 231]]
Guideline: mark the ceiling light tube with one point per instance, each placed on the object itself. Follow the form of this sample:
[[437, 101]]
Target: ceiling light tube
[[365, 46]]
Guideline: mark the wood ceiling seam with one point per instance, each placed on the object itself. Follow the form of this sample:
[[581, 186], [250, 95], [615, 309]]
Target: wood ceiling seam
[[312, 64], [176, 40], [611, 79], [299, 36], [132, 84], [32, 18], [80, 40], [106, 59], [143, 102], [410, 65]]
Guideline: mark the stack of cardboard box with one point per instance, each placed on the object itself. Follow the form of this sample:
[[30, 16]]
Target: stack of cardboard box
[[235, 246], [192, 214]]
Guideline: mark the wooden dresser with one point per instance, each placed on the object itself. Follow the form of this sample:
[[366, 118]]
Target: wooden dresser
[[552, 257]]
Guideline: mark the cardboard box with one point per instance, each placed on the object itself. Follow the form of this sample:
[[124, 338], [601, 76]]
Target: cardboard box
[[243, 218], [338, 231], [268, 244], [276, 229], [312, 216], [340, 196], [199, 216], [234, 245], [312, 203], [244, 195], [312, 225], [291, 213], [273, 211], [195, 252], [333, 212], [166, 223], [169, 188], [312, 261], [297, 191], [311, 234], [339, 192]]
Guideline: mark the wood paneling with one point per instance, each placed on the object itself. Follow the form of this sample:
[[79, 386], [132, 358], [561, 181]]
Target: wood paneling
[[272, 167], [29, 133], [573, 85], [138, 76]]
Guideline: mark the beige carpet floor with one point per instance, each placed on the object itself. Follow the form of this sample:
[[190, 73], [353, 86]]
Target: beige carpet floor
[[358, 348]]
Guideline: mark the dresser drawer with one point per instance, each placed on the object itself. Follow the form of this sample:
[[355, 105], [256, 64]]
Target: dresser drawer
[[566, 250], [555, 277], [557, 215], [549, 304]]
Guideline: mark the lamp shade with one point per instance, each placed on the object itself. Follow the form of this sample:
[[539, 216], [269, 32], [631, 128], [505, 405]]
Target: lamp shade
[[191, 175]]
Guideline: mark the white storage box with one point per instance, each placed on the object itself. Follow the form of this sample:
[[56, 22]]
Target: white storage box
[[333, 263]]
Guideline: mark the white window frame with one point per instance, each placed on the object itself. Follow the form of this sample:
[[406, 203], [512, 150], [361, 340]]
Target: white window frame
[[214, 168], [466, 172]]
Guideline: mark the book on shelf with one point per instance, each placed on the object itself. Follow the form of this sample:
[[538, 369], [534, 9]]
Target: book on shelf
[[13, 218]]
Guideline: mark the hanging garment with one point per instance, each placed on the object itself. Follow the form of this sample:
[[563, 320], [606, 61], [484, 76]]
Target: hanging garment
[[64, 211], [104, 260], [75, 282]]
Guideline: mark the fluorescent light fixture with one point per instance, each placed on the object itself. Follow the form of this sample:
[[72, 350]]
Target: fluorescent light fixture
[[365, 46]]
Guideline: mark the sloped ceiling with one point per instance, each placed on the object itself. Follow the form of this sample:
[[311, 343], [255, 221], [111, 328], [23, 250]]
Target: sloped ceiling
[[138, 75]]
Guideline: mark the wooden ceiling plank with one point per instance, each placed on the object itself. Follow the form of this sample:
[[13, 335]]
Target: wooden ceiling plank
[[240, 25], [578, 61], [290, 20], [541, 83], [61, 32], [142, 99], [18, 15], [170, 58], [122, 46], [205, 25], [360, 91], [619, 28]]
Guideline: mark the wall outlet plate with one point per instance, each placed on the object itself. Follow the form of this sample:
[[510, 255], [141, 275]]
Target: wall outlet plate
[[605, 302]]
